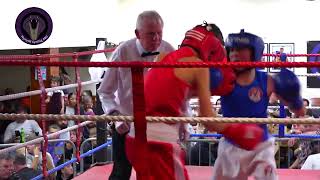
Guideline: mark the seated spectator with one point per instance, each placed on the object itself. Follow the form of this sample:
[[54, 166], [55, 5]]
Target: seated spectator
[[313, 160], [34, 157], [16, 127], [66, 173], [6, 166], [56, 149], [306, 147], [22, 172], [86, 147]]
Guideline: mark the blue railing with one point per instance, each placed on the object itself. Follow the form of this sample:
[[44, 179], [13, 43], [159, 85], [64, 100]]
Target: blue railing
[[73, 160]]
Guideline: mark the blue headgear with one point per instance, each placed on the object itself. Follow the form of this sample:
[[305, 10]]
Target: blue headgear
[[245, 40]]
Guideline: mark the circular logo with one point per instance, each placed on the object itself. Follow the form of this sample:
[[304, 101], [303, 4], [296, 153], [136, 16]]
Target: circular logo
[[33, 26], [255, 94]]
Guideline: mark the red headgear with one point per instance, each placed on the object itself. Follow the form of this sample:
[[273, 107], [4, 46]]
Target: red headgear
[[202, 39]]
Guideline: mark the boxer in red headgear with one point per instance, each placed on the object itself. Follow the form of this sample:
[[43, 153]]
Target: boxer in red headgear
[[166, 94]]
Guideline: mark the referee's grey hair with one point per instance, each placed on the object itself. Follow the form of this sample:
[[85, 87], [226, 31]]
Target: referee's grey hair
[[150, 15]]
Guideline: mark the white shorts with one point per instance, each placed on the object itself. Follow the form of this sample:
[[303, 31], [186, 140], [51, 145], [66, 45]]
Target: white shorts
[[234, 163]]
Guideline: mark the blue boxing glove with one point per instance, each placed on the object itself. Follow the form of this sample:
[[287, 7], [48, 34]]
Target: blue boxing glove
[[222, 81], [287, 86]]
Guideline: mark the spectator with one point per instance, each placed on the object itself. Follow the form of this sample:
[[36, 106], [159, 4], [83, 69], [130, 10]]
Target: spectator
[[66, 173], [64, 79], [34, 157], [313, 160], [56, 149], [71, 109], [15, 128], [6, 166], [306, 104], [22, 172], [55, 99], [86, 147], [86, 93], [88, 105], [218, 109]]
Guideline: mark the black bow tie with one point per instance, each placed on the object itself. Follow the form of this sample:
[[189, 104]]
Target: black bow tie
[[145, 54]]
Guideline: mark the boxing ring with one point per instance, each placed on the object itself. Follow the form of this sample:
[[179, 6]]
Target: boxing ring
[[202, 173], [139, 117]]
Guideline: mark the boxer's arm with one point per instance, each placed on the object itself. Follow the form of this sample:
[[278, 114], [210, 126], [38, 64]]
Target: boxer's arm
[[202, 85], [204, 94]]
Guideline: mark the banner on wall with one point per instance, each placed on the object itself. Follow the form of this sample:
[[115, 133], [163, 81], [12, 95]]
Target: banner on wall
[[313, 47]]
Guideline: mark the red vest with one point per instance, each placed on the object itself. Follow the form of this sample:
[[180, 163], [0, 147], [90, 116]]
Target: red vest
[[166, 94]]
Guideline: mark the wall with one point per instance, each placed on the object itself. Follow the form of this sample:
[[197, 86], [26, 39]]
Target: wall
[[274, 20], [16, 78]]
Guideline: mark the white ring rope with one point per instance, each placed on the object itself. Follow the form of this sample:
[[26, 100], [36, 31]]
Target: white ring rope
[[56, 117], [36, 92], [40, 139]]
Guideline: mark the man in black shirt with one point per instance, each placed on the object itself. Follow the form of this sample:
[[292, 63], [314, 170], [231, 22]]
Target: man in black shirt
[[22, 172]]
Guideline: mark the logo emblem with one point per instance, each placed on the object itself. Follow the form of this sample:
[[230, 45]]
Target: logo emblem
[[33, 26], [255, 94]]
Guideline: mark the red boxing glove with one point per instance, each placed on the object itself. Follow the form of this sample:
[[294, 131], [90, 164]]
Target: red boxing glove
[[222, 81], [246, 136]]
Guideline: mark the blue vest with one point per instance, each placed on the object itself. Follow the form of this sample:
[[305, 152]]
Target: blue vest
[[248, 101]]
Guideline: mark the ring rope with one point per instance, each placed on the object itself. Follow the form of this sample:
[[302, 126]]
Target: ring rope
[[78, 94], [37, 92], [48, 56], [56, 117], [40, 139], [141, 64], [44, 128], [85, 53]]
